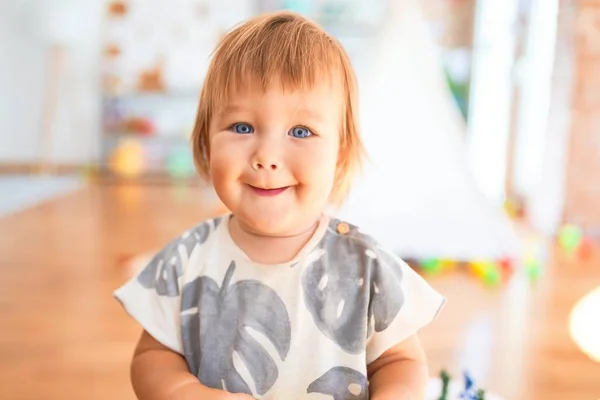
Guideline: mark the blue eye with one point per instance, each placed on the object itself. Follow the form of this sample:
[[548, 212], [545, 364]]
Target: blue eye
[[242, 128], [300, 132]]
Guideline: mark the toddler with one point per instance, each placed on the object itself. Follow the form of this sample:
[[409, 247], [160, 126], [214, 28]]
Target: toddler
[[277, 299]]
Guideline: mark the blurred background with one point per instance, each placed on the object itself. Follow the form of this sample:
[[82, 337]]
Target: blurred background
[[481, 119]]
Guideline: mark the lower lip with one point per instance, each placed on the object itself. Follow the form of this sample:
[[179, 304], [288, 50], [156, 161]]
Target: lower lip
[[269, 192]]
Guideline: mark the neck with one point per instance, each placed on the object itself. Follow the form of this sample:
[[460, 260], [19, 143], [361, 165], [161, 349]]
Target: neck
[[282, 248]]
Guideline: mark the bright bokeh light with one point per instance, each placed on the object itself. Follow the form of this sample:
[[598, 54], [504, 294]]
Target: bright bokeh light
[[584, 325]]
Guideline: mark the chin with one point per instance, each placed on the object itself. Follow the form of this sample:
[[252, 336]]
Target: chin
[[271, 222]]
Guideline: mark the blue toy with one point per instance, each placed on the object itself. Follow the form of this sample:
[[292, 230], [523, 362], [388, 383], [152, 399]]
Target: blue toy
[[470, 392]]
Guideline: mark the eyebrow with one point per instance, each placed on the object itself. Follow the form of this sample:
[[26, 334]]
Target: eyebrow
[[230, 108], [301, 112], [314, 115]]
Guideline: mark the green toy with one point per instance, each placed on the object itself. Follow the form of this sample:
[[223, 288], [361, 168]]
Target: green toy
[[432, 265], [445, 377], [533, 268], [180, 164], [491, 275], [570, 237]]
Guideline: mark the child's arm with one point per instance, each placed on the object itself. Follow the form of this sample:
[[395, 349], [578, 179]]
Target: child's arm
[[157, 373], [400, 373]]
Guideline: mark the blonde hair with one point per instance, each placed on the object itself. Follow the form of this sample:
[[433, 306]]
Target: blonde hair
[[299, 54]]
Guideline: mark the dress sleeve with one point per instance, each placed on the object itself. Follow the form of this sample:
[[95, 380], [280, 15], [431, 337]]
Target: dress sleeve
[[401, 303], [153, 296]]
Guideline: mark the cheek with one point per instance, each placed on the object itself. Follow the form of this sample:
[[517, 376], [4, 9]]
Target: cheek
[[218, 172], [225, 162], [318, 166]]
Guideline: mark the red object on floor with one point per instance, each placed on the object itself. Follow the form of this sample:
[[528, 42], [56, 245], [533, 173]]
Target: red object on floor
[[585, 249], [507, 267], [507, 263]]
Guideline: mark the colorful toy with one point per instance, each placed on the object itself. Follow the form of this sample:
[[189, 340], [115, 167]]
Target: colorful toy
[[514, 209], [448, 265], [533, 268], [507, 268], [533, 258], [153, 78], [478, 268], [570, 237], [507, 264], [180, 164], [492, 273], [470, 391], [434, 266], [127, 160], [487, 271], [586, 248], [492, 276], [574, 243], [431, 266], [117, 9], [460, 92], [131, 124], [445, 378]]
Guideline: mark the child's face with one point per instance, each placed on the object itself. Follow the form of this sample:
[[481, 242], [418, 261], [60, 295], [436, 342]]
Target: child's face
[[273, 155]]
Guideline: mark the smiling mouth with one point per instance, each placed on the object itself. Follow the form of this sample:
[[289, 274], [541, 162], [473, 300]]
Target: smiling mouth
[[268, 192]]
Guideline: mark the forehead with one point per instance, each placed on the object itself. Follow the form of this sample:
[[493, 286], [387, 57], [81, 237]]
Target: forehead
[[326, 93]]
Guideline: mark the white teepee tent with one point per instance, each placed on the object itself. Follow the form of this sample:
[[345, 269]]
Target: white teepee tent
[[417, 194]]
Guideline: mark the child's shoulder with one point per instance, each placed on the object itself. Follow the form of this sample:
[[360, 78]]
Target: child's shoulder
[[169, 263], [198, 233], [349, 238], [182, 246]]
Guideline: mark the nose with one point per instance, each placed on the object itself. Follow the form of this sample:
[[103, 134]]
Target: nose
[[258, 165], [267, 155]]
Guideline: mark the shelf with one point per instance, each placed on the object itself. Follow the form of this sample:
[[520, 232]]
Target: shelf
[[170, 137]]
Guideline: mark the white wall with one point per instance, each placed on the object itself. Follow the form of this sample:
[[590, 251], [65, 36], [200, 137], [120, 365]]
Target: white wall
[[547, 193], [535, 80], [28, 28], [491, 92], [21, 80]]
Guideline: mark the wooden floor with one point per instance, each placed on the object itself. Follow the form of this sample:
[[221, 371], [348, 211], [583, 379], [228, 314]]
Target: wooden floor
[[62, 336]]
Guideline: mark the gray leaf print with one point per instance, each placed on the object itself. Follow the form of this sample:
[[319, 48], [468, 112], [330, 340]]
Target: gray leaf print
[[214, 325], [387, 296], [341, 383], [166, 267], [350, 288]]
